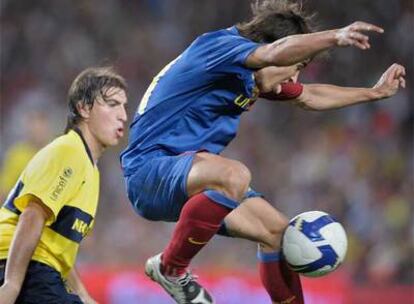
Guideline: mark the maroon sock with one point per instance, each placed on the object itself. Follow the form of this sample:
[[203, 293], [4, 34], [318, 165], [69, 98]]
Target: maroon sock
[[281, 283], [199, 221]]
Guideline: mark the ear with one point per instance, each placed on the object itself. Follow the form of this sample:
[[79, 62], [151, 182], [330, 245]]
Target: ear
[[84, 110]]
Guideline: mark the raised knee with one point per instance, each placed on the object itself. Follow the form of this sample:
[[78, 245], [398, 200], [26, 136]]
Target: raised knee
[[236, 180]]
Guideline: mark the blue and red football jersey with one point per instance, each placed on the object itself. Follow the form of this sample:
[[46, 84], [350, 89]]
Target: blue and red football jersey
[[196, 101]]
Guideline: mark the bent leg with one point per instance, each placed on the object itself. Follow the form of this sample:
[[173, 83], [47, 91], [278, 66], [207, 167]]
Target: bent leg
[[226, 176], [255, 219], [215, 186]]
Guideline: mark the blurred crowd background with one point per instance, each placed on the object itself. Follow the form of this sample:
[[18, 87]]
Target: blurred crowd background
[[355, 163]]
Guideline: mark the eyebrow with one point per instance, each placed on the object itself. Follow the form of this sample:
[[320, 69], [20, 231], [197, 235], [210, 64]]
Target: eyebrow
[[115, 101]]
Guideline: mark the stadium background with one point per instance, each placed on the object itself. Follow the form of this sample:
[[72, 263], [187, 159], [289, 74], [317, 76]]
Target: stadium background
[[356, 163]]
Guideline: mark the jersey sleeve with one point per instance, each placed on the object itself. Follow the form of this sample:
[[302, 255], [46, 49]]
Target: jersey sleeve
[[54, 176], [226, 56], [229, 52]]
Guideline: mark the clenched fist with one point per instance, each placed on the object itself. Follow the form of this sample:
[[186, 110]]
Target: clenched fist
[[391, 81]]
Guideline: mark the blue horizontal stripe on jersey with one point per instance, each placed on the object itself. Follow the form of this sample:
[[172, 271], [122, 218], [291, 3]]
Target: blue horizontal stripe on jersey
[[65, 223]]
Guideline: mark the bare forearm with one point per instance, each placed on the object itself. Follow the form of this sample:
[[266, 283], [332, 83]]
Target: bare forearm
[[321, 97], [298, 48], [26, 238]]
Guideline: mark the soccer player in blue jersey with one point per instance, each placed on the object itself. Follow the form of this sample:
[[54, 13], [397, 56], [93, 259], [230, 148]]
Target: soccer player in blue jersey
[[189, 114], [52, 207]]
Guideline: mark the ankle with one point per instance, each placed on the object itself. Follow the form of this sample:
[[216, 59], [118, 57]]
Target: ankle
[[171, 272]]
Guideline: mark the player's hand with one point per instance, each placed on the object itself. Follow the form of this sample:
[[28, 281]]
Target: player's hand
[[8, 294], [392, 79], [355, 35]]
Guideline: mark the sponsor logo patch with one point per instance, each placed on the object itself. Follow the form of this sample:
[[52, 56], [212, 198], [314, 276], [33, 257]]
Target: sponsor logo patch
[[61, 183]]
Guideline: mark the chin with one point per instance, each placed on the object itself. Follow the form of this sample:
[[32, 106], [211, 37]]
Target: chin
[[109, 143], [114, 142]]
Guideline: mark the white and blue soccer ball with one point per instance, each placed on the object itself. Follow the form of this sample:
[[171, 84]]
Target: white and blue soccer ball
[[314, 243]]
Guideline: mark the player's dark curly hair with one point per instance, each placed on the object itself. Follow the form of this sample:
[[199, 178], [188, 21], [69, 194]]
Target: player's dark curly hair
[[89, 85], [275, 19]]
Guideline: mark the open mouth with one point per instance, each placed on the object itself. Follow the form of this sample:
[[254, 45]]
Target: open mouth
[[120, 132]]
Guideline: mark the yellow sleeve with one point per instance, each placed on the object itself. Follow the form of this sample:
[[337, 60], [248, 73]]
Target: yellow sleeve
[[54, 176]]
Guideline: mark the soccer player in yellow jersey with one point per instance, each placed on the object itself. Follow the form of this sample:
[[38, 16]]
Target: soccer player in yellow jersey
[[52, 206]]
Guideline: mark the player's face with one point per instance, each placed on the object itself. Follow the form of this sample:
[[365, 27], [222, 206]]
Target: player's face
[[108, 116]]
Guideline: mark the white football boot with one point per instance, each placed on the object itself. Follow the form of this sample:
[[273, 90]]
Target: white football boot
[[185, 290]]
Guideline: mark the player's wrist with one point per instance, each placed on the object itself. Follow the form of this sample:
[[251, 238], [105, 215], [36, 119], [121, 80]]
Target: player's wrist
[[376, 93], [333, 36], [338, 36], [12, 286], [324, 39]]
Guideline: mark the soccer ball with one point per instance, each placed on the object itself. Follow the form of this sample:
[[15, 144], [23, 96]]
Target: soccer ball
[[314, 243]]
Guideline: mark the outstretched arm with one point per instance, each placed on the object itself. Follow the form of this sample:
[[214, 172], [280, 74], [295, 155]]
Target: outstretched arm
[[298, 48], [321, 97]]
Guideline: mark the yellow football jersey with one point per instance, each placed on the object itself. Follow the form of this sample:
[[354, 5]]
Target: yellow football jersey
[[63, 176]]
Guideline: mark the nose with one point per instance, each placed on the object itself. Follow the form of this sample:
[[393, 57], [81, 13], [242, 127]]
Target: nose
[[122, 115]]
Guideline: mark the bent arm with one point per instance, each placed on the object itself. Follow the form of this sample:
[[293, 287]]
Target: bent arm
[[325, 97], [320, 97], [298, 48], [291, 50], [26, 238]]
